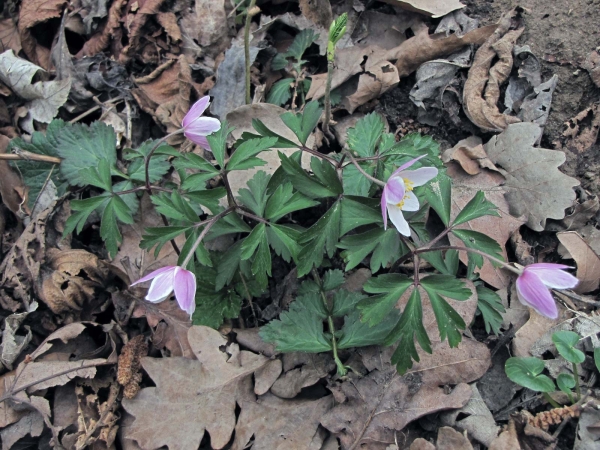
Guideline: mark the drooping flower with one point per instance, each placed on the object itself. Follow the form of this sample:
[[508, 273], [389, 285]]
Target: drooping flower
[[196, 127], [398, 194], [533, 286], [169, 279]]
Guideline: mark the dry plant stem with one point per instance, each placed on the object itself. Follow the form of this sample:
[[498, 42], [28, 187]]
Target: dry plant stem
[[95, 108], [209, 224], [361, 170], [147, 159], [340, 366], [247, 48], [112, 398], [28, 156]]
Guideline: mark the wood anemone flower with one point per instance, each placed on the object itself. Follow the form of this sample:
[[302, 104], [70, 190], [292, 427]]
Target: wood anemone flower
[[398, 193], [533, 286], [196, 127], [169, 279]]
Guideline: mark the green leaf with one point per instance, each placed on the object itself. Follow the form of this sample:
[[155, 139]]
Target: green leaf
[[438, 194], [253, 240], [247, 150], [406, 330], [565, 382], [261, 265], [158, 166], [303, 182], [284, 241], [358, 211], [565, 342], [326, 174], [301, 328], [159, 236], [115, 209], [355, 183], [213, 305], [301, 42], [597, 358], [82, 209], [229, 224], [447, 266], [208, 198], [384, 244], [448, 286], [303, 124], [322, 236], [390, 288], [365, 135], [526, 372], [332, 279], [84, 147], [413, 145], [256, 197], [355, 333], [195, 162], [478, 206], [175, 207], [479, 241], [280, 92], [263, 130], [279, 61], [337, 30], [490, 306], [228, 265], [344, 302], [218, 143], [284, 201]]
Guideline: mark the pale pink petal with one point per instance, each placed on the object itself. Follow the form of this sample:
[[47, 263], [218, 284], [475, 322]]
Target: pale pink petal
[[203, 126], [161, 287], [407, 165], [553, 277], [395, 190], [411, 202], [154, 274], [202, 142], [532, 292], [384, 207], [398, 220], [420, 176], [185, 290], [196, 110]]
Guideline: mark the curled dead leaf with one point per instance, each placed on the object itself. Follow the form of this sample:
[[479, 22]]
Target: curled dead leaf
[[588, 262]]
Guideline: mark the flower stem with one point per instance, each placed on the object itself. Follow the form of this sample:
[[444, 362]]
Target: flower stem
[[550, 400], [470, 250], [247, 48], [209, 223], [361, 170], [149, 155], [327, 118], [577, 387]]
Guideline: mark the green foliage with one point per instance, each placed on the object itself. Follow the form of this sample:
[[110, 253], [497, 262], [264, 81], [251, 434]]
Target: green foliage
[[364, 137], [301, 42], [478, 206], [597, 358], [479, 241], [566, 382], [438, 194], [384, 246], [280, 92], [302, 124], [490, 306], [527, 372], [213, 306], [218, 143], [565, 342], [244, 155]]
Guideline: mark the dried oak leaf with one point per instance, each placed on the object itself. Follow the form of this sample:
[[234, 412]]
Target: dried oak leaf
[[135, 27], [278, 424], [534, 185], [471, 156], [499, 228], [205, 390], [588, 262], [301, 370], [109, 31], [431, 8], [12, 343], [9, 36], [206, 24], [580, 139]]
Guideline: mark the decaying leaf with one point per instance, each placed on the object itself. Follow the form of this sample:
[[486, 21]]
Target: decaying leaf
[[301, 370], [579, 137], [12, 343], [588, 262], [32, 423], [482, 88], [128, 374], [13, 191], [592, 65], [278, 424], [383, 30], [44, 97], [471, 156], [432, 8], [214, 380], [499, 228], [587, 436], [317, 11], [206, 23], [109, 32], [534, 185]]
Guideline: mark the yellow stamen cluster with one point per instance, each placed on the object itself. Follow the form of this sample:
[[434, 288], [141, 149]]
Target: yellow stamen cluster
[[408, 186]]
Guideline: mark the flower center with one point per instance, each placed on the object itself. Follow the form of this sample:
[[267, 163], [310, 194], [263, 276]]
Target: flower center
[[408, 187]]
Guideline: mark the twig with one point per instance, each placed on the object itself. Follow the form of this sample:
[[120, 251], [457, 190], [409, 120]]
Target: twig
[[96, 108], [28, 156]]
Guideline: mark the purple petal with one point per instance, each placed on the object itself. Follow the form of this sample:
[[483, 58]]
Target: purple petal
[[203, 126], [407, 165], [161, 287], [398, 220], [395, 190], [552, 275], [196, 110], [185, 290], [420, 176], [532, 292], [384, 207], [201, 141], [154, 274]]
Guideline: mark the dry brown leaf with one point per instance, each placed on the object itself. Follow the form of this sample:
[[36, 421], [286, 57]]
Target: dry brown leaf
[[431, 8], [12, 343], [579, 140], [384, 30], [499, 228], [450, 439], [381, 404], [135, 24], [9, 36], [12, 188], [170, 325], [535, 328], [168, 21], [266, 376], [32, 423], [207, 24], [205, 389], [108, 31], [417, 444], [588, 262], [379, 79], [482, 88], [317, 11], [586, 436], [301, 370], [592, 65], [471, 156], [278, 424], [534, 186]]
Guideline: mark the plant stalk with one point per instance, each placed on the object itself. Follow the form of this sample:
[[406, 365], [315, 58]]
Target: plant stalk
[[247, 48], [550, 400], [327, 100], [361, 170], [147, 159], [577, 387], [209, 224]]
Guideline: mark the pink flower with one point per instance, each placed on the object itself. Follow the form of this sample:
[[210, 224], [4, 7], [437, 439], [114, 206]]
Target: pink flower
[[196, 127], [398, 194], [169, 279], [533, 284]]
